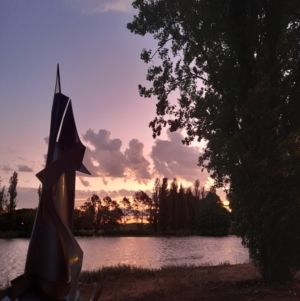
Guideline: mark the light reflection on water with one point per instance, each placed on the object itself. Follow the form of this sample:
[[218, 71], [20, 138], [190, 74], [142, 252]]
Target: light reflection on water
[[149, 252]]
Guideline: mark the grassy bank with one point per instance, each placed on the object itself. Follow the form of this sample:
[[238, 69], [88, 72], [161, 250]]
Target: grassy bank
[[185, 283]]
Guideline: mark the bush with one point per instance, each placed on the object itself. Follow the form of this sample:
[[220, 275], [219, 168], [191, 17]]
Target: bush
[[273, 238]]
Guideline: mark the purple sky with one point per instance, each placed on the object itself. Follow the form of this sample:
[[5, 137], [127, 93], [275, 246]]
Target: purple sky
[[100, 70]]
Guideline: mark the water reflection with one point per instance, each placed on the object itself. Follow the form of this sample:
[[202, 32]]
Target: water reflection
[[149, 252]]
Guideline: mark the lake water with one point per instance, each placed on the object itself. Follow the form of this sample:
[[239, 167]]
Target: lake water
[[149, 252]]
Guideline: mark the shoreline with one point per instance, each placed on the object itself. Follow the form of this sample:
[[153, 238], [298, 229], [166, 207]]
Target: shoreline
[[131, 233]]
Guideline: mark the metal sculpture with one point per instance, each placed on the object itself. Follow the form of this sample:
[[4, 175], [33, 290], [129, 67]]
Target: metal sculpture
[[54, 257]]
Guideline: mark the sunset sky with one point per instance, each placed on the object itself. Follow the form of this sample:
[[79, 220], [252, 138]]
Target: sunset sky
[[100, 70]]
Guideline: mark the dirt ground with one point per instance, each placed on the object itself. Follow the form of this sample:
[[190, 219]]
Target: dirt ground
[[206, 283], [217, 283]]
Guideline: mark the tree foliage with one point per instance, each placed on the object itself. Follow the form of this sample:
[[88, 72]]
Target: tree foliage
[[126, 210], [98, 214], [25, 218], [3, 199], [12, 192], [155, 197], [142, 207], [192, 210], [8, 203], [214, 219], [236, 67], [11, 202]]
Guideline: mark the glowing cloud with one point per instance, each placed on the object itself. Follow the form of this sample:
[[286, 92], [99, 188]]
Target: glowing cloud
[[173, 159], [106, 159]]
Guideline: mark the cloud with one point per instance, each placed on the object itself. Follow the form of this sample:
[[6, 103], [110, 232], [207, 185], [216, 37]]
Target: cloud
[[106, 159], [102, 140], [24, 168], [136, 161], [106, 154], [84, 194], [6, 168], [101, 6], [118, 5], [126, 193], [84, 182], [173, 159]]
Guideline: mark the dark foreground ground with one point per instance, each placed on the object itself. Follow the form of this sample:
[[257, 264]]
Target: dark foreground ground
[[220, 283], [206, 283]]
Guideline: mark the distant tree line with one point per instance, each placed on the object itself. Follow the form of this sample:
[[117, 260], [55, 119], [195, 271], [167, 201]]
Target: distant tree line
[[171, 209]]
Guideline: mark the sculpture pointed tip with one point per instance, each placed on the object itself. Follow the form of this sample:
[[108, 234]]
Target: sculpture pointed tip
[[57, 85]]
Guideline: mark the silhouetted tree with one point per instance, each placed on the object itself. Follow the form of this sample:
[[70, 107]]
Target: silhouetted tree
[[109, 214], [3, 199], [197, 189], [126, 210], [143, 203], [249, 119], [25, 219], [199, 194], [90, 208], [163, 216], [80, 222], [191, 208], [12, 199], [155, 198], [173, 205], [105, 214], [214, 218], [182, 209], [136, 213], [12, 192]]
